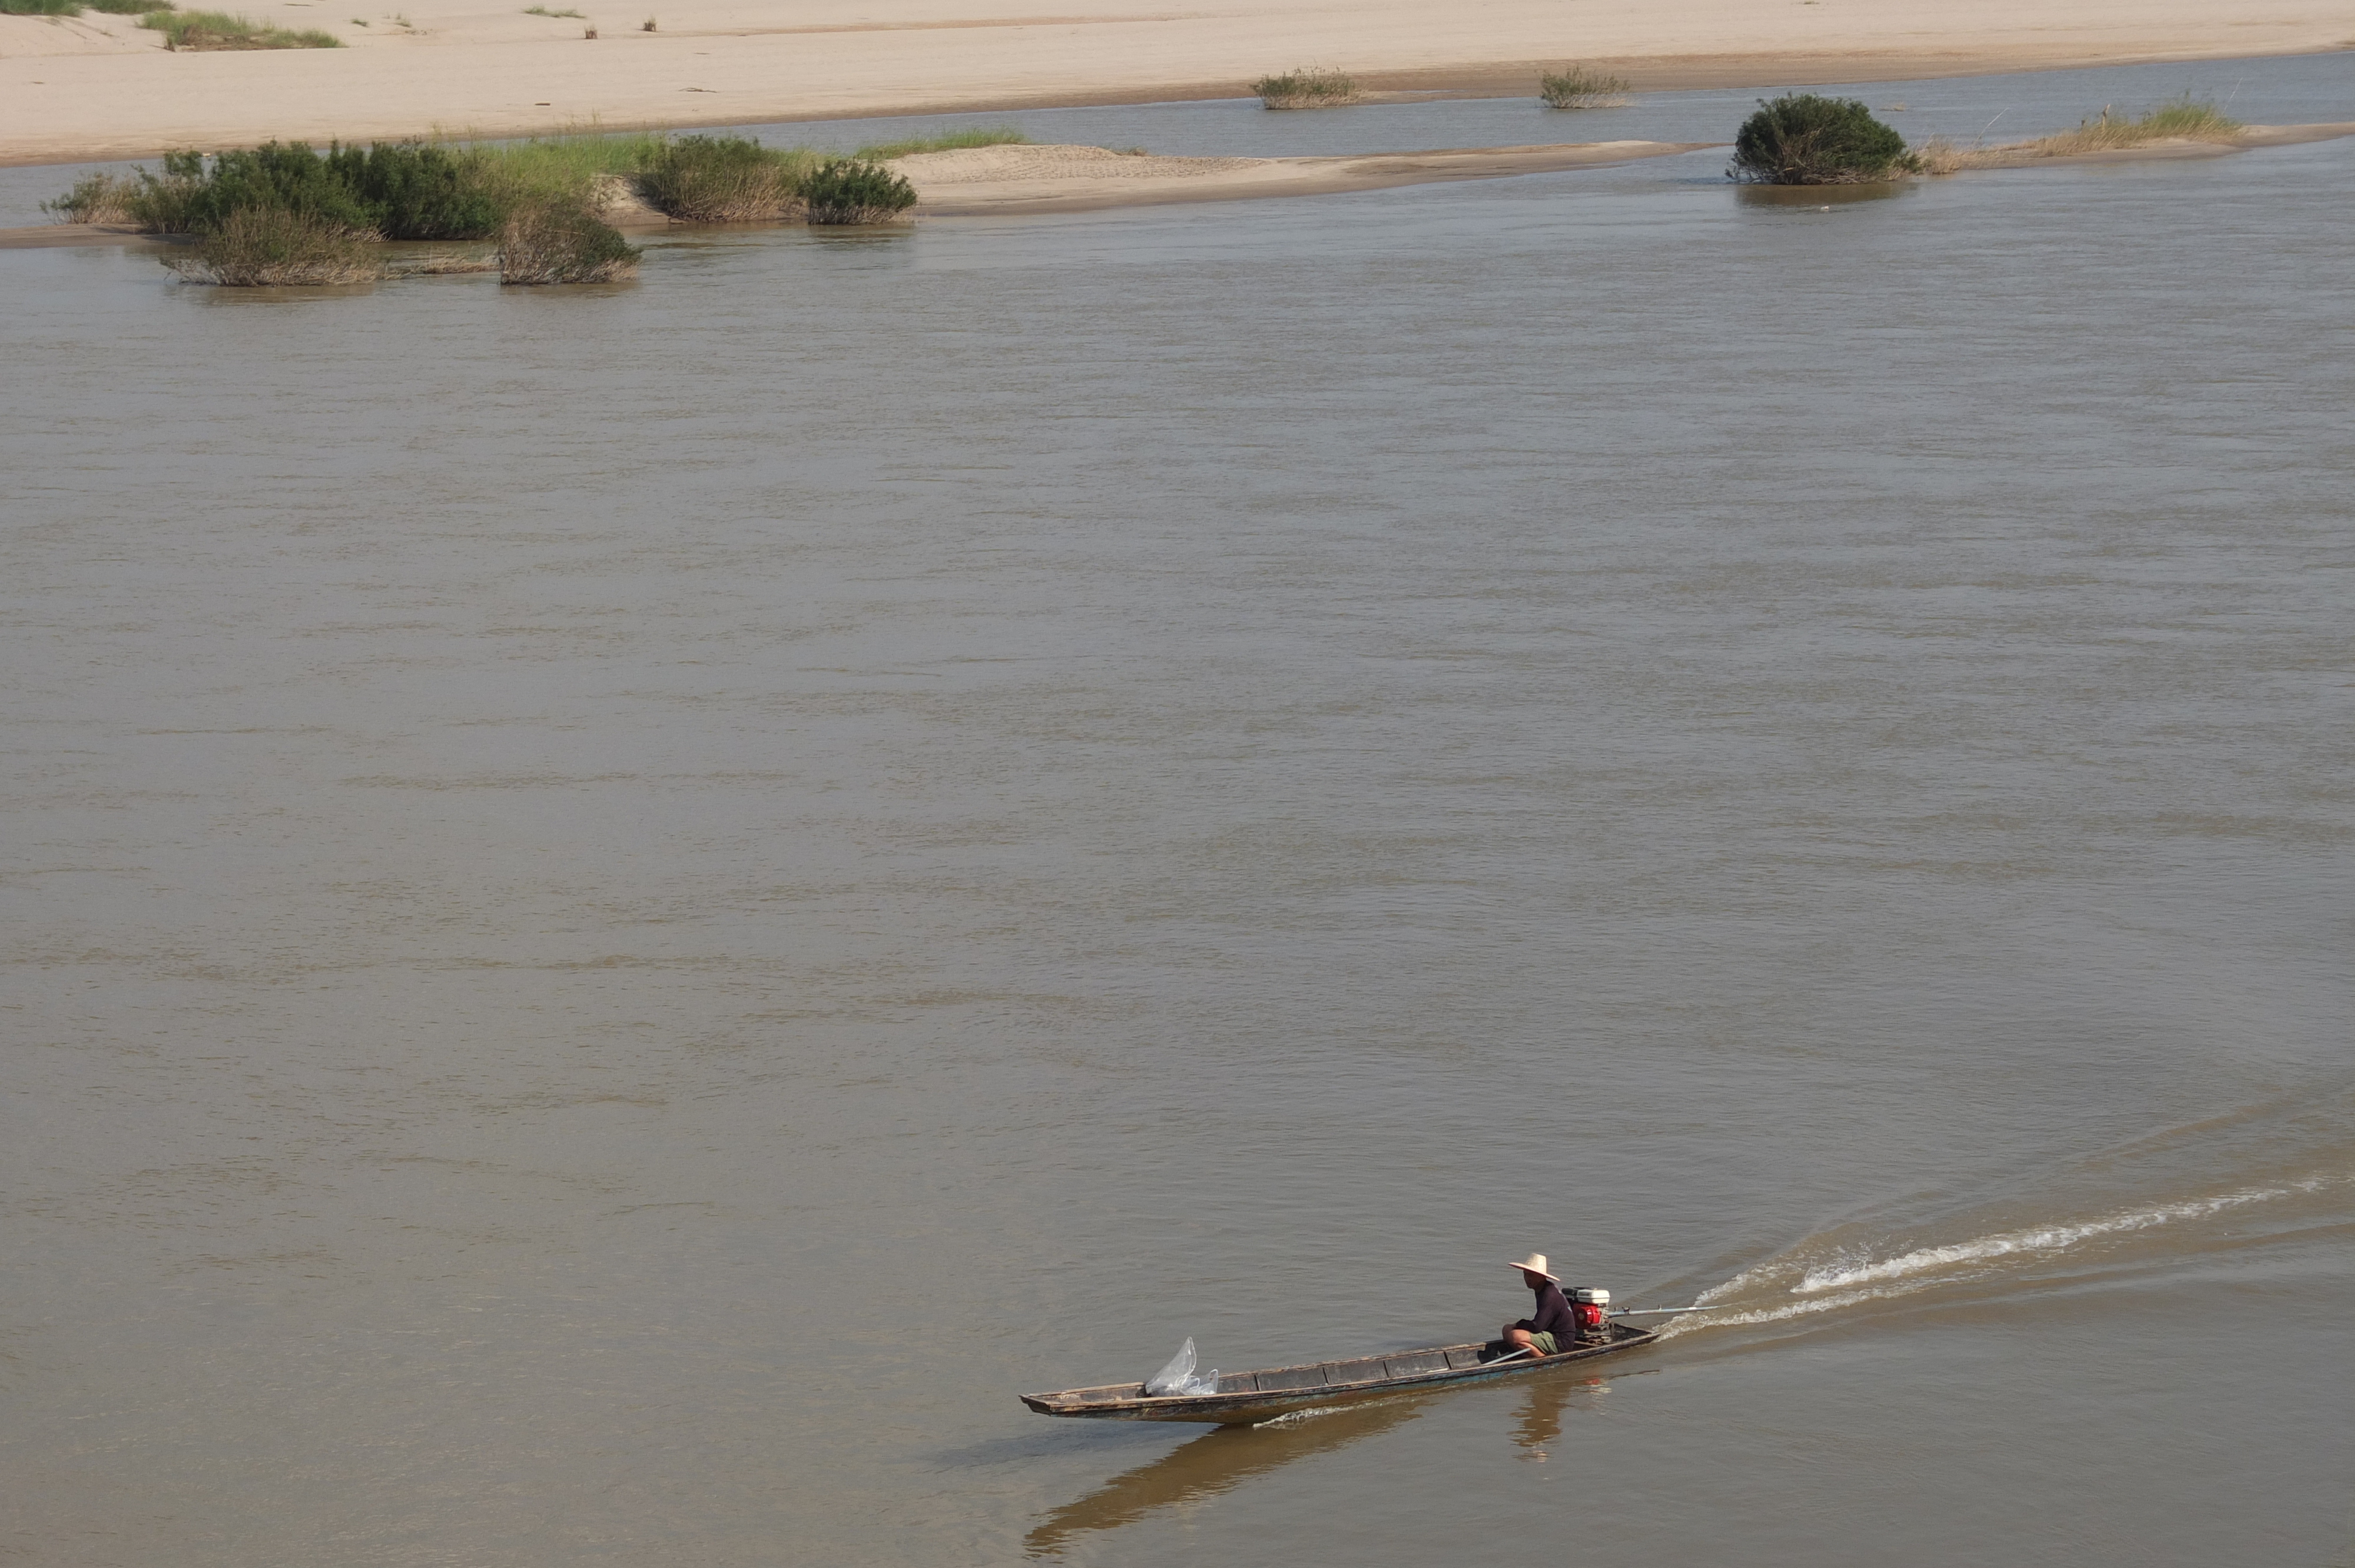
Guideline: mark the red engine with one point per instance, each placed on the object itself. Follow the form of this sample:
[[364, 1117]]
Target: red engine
[[1590, 1308]]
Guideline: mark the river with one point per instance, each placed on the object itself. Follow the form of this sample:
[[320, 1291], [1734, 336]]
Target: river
[[630, 907]]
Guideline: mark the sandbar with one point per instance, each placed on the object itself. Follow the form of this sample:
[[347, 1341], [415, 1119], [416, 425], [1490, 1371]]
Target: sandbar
[[99, 87], [1032, 178]]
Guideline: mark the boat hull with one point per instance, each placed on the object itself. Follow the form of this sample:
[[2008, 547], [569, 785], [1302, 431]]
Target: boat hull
[[1250, 1397]]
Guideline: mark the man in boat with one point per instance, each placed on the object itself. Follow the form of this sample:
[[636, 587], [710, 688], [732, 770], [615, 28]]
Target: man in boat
[[1553, 1328]]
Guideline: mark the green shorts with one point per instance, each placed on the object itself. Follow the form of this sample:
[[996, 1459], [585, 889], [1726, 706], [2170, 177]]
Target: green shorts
[[1544, 1342]]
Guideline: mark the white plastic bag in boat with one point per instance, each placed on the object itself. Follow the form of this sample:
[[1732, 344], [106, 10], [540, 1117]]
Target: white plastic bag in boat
[[1178, 1377]]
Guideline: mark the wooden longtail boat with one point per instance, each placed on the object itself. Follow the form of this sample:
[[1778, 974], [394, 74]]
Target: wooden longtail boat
[[1246, 1398]]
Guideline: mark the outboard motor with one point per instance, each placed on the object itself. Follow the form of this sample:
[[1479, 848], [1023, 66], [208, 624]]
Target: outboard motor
[[1591, 1307]]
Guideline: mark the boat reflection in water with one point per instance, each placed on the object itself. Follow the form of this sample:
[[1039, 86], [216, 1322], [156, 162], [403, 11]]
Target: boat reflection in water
[[1540, 1421], [1224, 1458]]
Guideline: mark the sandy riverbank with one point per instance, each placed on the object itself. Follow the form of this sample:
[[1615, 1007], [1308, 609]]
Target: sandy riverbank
[[97, 86]]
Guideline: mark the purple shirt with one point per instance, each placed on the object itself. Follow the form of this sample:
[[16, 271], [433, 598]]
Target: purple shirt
[[1553, 1315]]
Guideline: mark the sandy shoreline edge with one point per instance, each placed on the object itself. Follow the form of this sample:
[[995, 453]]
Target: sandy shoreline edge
[[97, 87], [1030, 178]]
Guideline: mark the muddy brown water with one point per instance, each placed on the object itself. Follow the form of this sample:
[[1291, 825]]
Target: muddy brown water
[[628, 908]]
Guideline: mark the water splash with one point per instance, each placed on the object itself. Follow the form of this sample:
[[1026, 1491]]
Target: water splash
[[1855, 1276]]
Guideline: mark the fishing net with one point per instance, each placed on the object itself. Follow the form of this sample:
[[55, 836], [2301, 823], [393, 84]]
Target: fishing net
[[1178, 1377]]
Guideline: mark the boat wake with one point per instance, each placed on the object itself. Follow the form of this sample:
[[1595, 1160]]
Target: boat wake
[[2001, 1247], [2045, 1239]]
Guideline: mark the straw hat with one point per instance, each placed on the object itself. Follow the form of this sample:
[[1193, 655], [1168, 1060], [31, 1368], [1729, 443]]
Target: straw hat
[[1535, 1264]]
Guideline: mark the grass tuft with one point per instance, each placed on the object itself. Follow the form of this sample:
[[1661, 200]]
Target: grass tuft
[[1578, 87], [544, 11], [2179, 120], [562, 241], [852, 190], [272, 247], [946, 142], [220, 31], [1306, 87], [723, 179]]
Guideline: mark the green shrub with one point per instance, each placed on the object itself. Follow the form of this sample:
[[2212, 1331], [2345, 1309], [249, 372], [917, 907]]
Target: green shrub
[[852, 190], [276, 248], [220, 31], [1306, 89], [562, 241], [415, 191], [95, 198], [722, 179], [946, 142], [1578, 87], [130, 7], [401, 190], [1802, 139], [197, 195]]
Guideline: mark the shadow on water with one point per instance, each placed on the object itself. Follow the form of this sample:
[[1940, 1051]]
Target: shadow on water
[[1218, 1461], [1224, 1458], [1821, 199], [213, 295]]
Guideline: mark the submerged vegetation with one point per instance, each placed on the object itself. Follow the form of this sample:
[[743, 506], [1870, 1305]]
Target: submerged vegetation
[[1578, 87], [1803, 139], [1306, 87], [220, 31], [852, 190], [945, 142]]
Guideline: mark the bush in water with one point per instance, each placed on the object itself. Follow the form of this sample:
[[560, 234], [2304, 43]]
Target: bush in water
[[196, 195], [405, 190], [563, 242], [413, 191], [273, 248], [1802, 139], [852, 190], [95, 198]]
